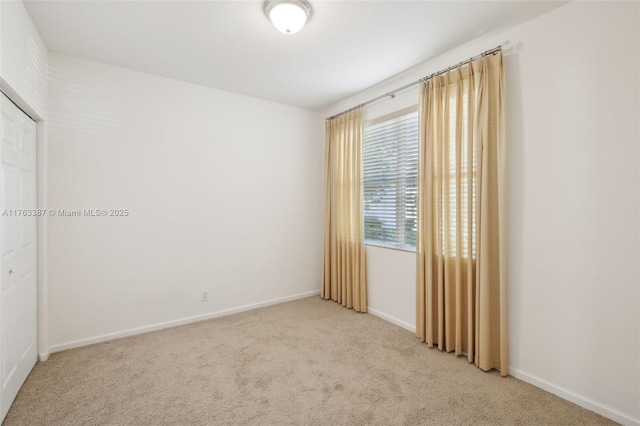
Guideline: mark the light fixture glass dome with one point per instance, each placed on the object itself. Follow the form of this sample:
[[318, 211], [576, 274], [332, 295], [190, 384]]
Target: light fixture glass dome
[[288, 16]]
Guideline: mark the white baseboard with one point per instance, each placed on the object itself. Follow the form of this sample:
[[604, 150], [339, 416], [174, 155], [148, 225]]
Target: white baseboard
[[173, 323], [392, 320], [580, 400], [44, 356]]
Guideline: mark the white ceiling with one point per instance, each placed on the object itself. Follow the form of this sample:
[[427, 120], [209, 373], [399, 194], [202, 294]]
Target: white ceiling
[[346, 47]]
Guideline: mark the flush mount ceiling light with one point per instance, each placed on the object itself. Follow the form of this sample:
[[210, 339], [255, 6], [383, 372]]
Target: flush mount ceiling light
[[288, 16]]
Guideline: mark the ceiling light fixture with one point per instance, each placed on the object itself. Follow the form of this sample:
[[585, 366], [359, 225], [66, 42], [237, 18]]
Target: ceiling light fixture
[[288, 16]]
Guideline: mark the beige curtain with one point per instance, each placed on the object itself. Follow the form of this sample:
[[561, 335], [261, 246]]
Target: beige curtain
[[344, 277], [461, 288]]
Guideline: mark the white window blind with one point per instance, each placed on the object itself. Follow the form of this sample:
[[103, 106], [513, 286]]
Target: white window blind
[[461, 217], [390, 169]]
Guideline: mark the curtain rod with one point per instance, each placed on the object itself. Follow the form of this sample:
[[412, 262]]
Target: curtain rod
[[392, 94]]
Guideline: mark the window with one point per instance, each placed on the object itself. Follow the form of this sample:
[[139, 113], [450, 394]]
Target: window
[[390, 170]]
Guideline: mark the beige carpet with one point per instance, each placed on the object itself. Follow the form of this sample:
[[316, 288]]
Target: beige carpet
[[308, 362]]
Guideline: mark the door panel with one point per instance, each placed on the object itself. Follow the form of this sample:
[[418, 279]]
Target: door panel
[[9, 201], [10, 325], [18, 255]]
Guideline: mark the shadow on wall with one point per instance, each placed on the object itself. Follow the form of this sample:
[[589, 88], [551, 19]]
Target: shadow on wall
[[37, 79], [82, 104], [515, 184]]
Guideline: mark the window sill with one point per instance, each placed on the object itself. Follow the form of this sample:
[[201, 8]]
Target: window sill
[[407, 250]]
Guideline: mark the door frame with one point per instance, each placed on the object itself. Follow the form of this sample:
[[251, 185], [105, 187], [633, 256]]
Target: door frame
[[43, 221]]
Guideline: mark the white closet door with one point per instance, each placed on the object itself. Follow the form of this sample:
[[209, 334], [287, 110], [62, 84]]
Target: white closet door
[[18, 257]]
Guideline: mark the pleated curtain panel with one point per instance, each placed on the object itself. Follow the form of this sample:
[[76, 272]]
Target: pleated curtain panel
[[461, 287], [344, 277]]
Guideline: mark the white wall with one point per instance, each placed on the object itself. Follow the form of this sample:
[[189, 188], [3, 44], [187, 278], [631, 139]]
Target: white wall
[[23, 77], [573, 203], [224, 193], [391, 285], [23, 59]]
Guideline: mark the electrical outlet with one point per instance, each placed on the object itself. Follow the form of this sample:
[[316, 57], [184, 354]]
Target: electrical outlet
[[205, 296]]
